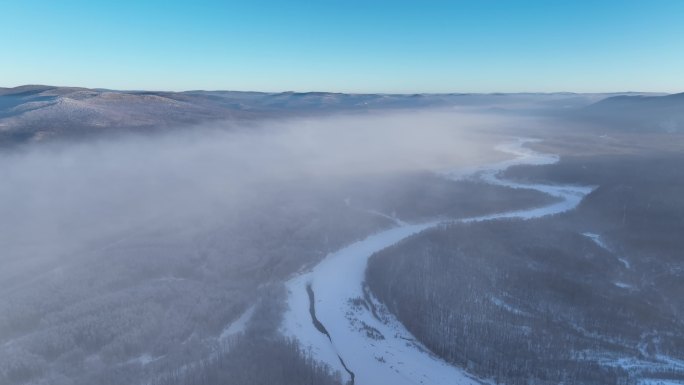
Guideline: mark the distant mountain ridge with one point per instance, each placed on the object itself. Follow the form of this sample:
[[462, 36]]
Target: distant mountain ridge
[[639, 112], [38, 112]]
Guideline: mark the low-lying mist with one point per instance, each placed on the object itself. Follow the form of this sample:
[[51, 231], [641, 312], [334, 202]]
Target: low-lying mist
[[149, 245], [138, 251], [56, 197]]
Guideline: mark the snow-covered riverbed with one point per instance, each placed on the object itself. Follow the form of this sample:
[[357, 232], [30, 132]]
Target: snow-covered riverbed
[[379, 350]]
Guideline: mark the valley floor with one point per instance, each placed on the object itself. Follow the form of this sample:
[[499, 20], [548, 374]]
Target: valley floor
[[362, 338]]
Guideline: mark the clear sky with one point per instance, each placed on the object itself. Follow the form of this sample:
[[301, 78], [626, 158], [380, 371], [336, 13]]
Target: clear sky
[[347, 46]]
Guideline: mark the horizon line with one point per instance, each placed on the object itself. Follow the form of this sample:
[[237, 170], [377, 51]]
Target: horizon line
[[345, 93]]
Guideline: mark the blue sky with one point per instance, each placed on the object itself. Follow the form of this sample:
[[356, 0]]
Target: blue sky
[[346, 46]]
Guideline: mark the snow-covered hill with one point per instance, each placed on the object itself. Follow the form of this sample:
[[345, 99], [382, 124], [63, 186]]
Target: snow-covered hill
[[41, 112], [639, 112]]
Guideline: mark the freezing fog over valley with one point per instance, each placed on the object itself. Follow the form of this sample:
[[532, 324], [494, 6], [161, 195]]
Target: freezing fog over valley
[[342, 193], [319, 238]]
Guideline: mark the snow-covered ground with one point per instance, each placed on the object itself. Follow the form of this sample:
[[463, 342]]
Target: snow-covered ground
[[144, 359], [237, 326], [654, 381], [369, 341], [597, 240], [644, 369]]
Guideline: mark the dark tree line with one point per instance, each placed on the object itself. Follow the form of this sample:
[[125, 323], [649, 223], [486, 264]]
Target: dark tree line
[[256, 361], [257, 356], [536, 301]]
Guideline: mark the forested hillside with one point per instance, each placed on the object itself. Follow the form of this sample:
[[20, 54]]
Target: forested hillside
[[589, 296]]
